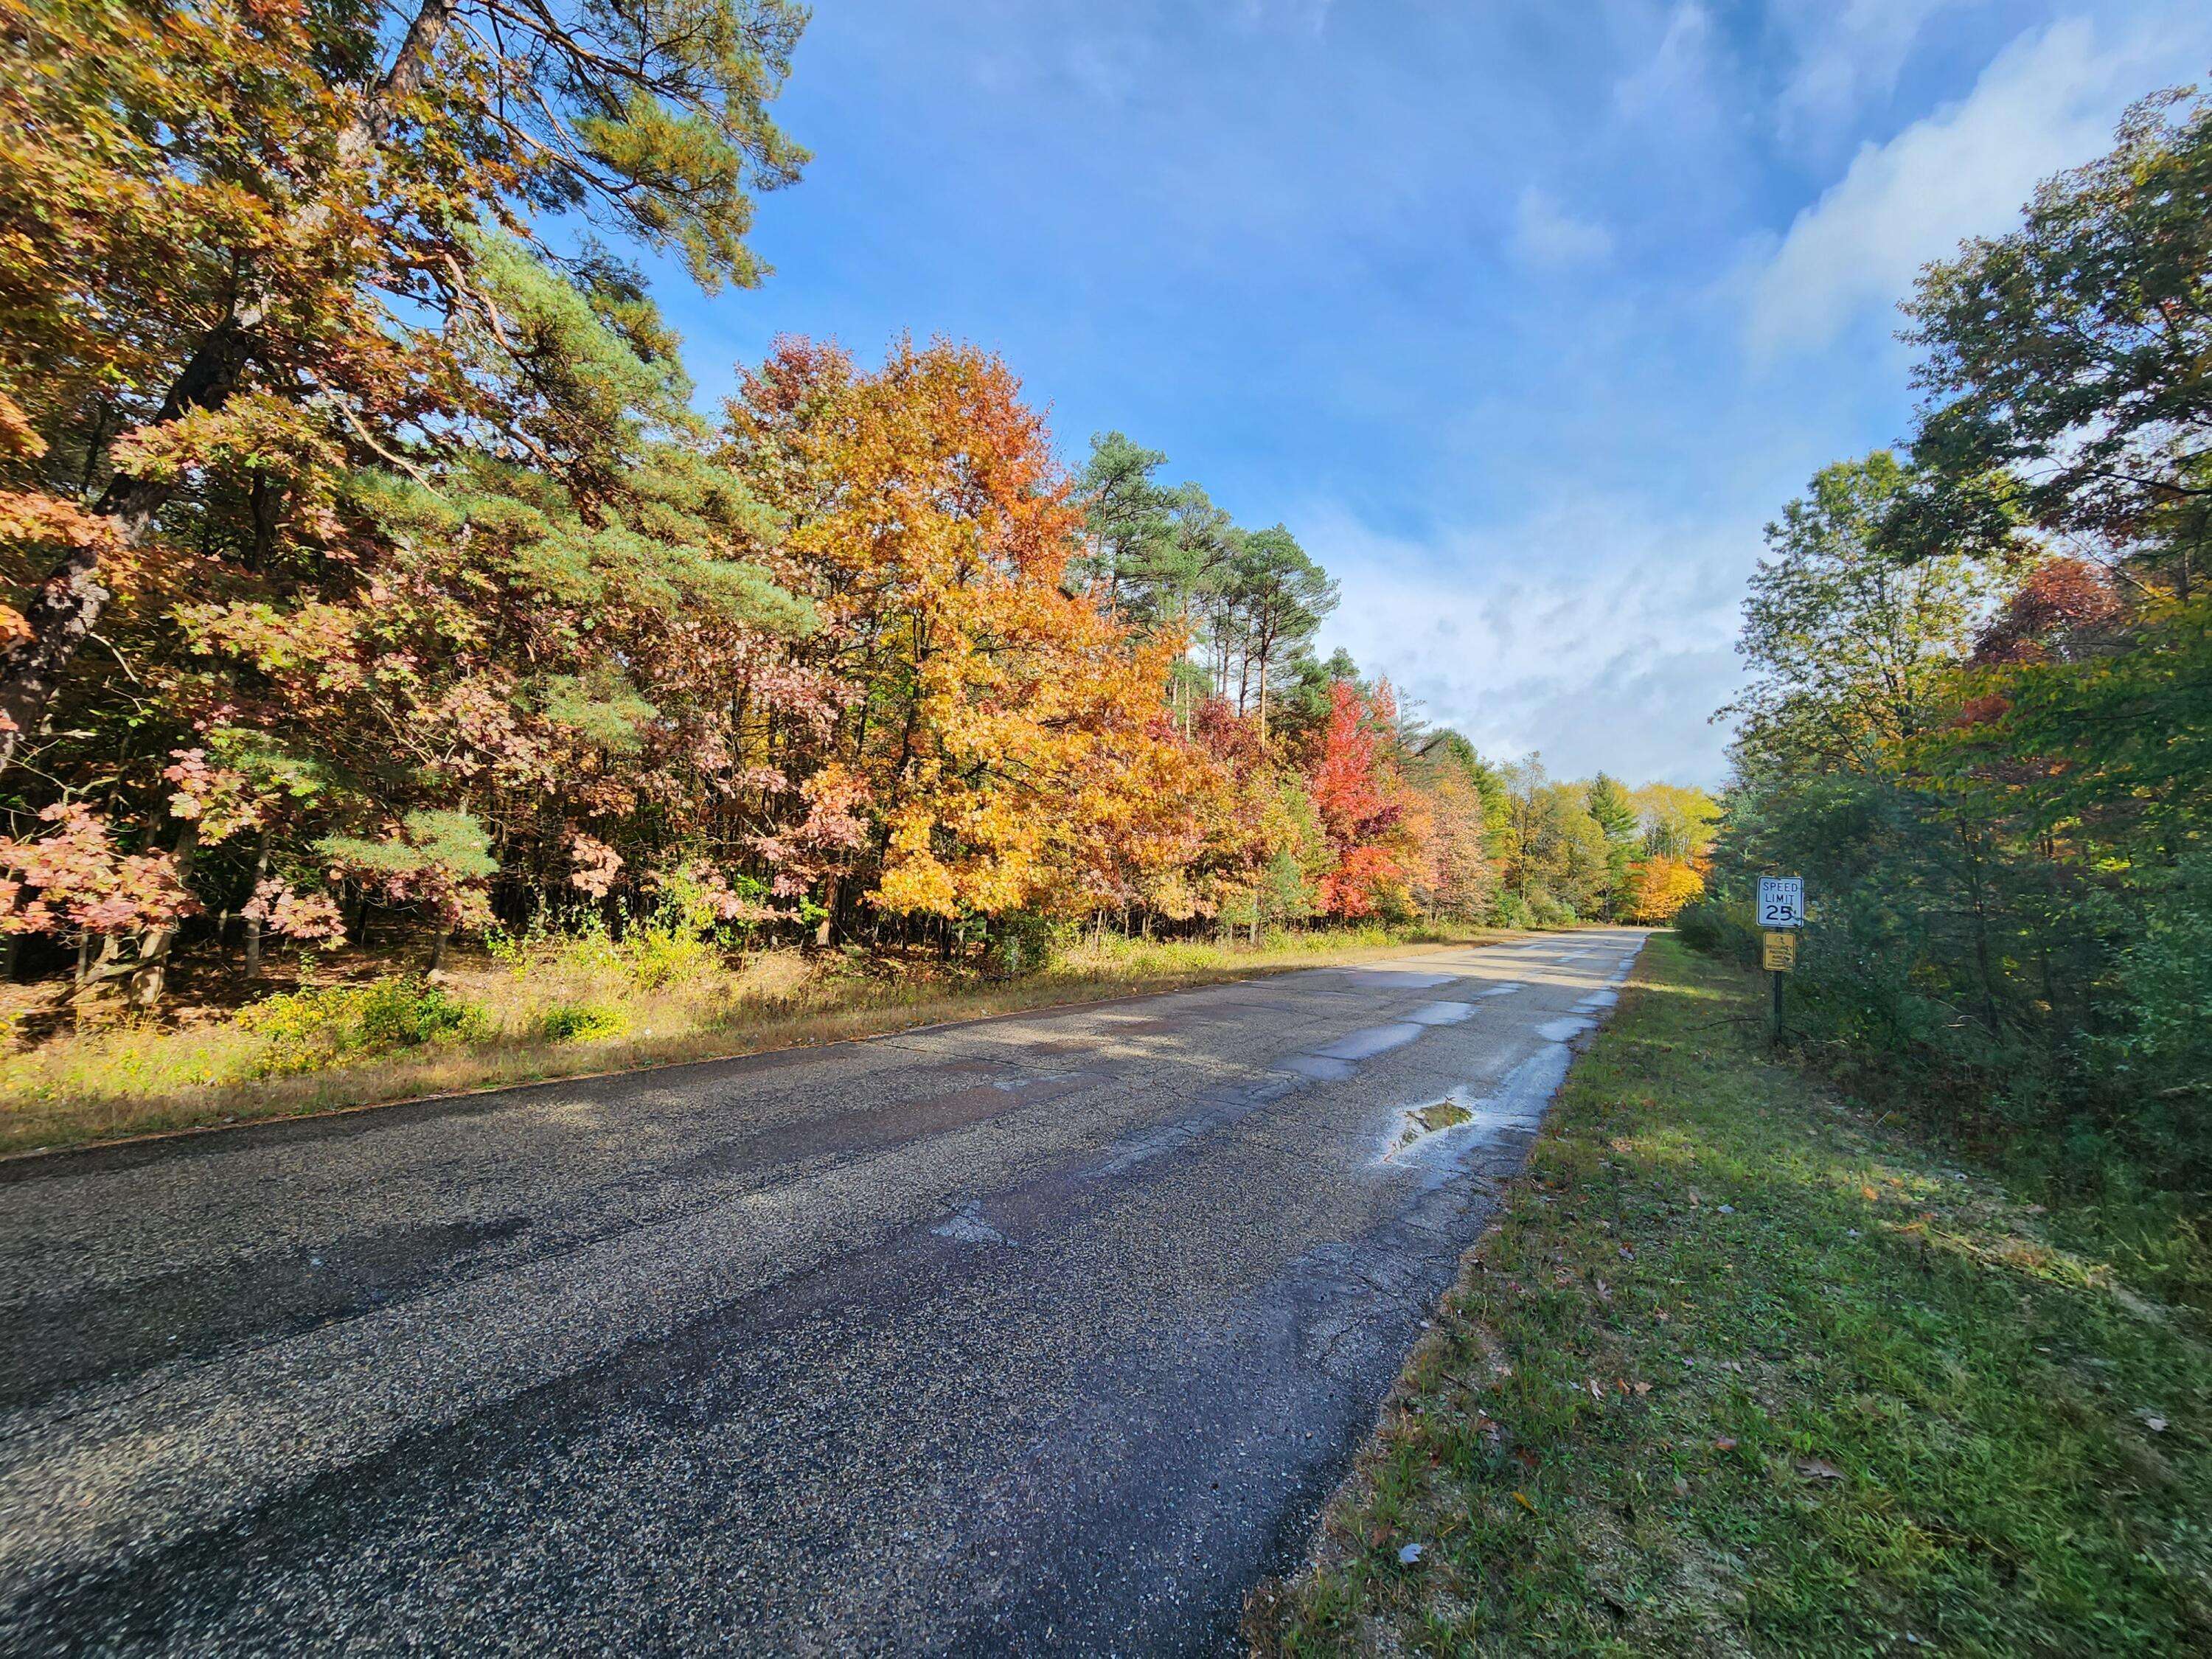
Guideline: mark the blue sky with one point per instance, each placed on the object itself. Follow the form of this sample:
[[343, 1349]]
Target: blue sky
[[1524, 318]]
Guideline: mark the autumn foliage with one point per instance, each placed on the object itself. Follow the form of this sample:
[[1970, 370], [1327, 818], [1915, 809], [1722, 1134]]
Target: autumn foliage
[[373, 575], [1361, 805]]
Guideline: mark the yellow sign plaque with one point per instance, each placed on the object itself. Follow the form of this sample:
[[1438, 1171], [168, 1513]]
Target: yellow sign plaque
[[1780, 954]]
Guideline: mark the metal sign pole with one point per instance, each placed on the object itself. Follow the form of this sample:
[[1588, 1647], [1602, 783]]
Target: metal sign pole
[[1781, 914]]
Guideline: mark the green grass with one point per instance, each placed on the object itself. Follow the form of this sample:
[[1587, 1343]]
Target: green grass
[[1740, 1370]]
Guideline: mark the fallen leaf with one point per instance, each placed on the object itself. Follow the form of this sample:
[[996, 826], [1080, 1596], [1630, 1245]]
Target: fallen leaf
[[1521, 1498], [1724, 1445], [2151, 1421], [1644, 1387], [1814, 1468], [1410, 1554]]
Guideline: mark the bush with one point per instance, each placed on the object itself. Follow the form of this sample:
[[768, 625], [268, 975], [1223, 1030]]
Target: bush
[[578, 1023], [1549, 912], [656, 956], [1716, 928], [1023, 944], [1511, 912], [308, 1030], [401, 1014], [2163, 986]]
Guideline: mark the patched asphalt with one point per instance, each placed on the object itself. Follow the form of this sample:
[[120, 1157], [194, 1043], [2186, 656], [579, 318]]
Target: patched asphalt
[[1047, 1332]]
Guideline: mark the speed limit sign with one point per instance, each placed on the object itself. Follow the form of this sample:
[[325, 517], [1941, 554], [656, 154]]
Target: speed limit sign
[[1782, 901]]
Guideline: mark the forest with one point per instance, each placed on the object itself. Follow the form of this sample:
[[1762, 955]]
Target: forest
[[1979, 713], [380, 591]]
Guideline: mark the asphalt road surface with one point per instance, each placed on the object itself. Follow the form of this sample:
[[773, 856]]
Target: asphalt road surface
[[1047, 1332]]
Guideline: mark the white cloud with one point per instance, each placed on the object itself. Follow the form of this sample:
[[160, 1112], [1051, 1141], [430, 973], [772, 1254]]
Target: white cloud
[[1847, 55], [2049, 101], [1596, 632], [1545, 235], [1676, 74]]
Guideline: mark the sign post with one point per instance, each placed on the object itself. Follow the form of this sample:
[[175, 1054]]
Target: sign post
[[1781, 914]]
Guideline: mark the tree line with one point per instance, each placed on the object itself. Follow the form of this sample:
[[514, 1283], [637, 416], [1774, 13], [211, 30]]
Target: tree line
[[376, 576], [1979, 719]]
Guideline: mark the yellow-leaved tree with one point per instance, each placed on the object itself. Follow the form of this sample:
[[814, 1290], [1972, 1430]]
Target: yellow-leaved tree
[[999, 742]]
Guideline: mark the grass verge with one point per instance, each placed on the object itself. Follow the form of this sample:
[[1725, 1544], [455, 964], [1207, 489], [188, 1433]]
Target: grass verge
[[580, 1010], [1740, 1370]]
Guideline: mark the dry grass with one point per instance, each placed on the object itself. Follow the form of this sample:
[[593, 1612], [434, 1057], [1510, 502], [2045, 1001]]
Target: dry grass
[[577, 1007]]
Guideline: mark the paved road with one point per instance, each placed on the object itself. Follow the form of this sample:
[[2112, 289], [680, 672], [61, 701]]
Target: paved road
[[1045, 1332]]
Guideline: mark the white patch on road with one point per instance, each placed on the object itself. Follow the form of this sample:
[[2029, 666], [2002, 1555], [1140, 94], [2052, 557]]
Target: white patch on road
[[1436, 1137], [1441, 1013], [1392, 979], [1597, 1000], [1564, 1031], [1505, 990], [1371, 1041], [966, 1223]]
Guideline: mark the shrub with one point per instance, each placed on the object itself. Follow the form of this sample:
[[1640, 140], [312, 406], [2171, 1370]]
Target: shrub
[[308, 1030], [402, 1013], [656, 956], [578, 1023], [1023, 944], [1511, 911], [1550, 912]]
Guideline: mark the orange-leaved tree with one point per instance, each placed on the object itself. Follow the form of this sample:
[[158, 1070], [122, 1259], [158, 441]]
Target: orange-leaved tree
[[1363, 804], [999, 739]]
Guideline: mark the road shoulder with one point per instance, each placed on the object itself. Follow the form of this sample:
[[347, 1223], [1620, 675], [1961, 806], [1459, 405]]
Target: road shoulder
[[1738, 1368]]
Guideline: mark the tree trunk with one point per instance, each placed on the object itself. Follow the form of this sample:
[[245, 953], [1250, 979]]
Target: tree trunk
[[151, 975], [822, 929], [67, 607], [254, 924], [92, 971]]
